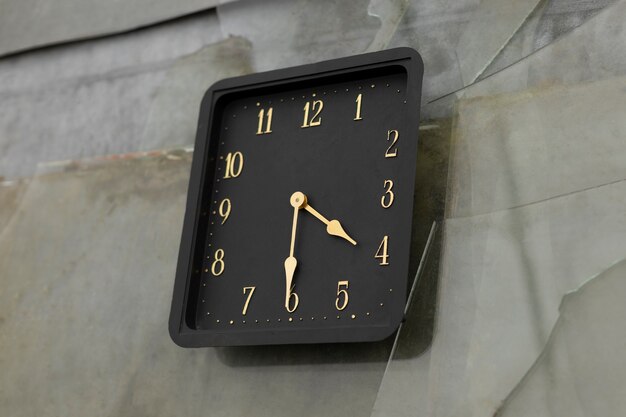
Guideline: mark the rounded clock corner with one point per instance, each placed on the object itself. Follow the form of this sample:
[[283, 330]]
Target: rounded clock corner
[[386, 332], [383, 333], [221, 84], [207, 97], [415, 58], [414, 54], [178, 338], [213, 91], [175, 336]]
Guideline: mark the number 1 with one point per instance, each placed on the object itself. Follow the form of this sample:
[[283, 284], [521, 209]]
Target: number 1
[[358, 107]]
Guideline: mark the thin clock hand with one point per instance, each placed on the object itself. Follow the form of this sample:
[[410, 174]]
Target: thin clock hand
[[297, 200], [333, 227]]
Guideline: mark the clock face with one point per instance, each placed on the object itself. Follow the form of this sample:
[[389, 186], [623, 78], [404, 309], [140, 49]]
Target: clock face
[[300, 230]]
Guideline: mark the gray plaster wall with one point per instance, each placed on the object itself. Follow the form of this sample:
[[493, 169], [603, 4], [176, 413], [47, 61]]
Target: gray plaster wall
[[98, 96], [535, 211], [28, 24]]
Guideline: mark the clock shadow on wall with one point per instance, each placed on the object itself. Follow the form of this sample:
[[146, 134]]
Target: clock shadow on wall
[[418, 329]]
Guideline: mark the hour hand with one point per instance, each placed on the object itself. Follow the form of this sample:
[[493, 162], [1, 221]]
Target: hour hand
[[333, 227]]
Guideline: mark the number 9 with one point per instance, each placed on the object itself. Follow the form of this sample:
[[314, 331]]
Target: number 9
[[224, 209]]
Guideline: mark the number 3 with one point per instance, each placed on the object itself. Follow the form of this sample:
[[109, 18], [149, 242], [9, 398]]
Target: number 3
[[387, 199]]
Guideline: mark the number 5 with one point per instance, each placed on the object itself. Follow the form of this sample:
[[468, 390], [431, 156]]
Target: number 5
[[343, 291]]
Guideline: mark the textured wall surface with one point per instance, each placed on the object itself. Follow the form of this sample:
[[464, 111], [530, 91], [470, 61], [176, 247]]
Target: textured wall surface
[[27, 24], [517, 304]]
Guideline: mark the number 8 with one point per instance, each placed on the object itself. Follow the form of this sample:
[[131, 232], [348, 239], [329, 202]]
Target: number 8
[[218, 264]]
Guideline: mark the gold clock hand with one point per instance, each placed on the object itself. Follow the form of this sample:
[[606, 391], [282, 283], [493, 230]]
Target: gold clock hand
[[290, 268], [333, 227], [297, 200]]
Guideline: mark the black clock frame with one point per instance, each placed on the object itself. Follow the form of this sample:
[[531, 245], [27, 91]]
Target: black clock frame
[[183, 309]]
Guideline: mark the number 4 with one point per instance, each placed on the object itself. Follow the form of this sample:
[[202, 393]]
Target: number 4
[[382, 253]]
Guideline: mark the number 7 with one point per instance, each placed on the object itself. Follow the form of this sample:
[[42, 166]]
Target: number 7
[[245, 306]]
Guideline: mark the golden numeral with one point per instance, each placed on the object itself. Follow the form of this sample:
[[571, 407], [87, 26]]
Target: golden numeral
[[268, 116], [384, 255], [217, 267], [245, 306], [392, 153], [295, 303], [387, 199], [343, 291], [315, 106], [224, 210], [358, 107], [234, 165]]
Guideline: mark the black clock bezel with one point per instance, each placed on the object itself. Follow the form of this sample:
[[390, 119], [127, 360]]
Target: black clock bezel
[[182, 313]]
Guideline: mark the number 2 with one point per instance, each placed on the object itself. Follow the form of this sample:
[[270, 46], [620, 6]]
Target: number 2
[[392, 152]]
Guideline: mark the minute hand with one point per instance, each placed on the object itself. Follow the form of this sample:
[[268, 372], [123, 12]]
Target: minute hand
[[291, 262], [333, 227]]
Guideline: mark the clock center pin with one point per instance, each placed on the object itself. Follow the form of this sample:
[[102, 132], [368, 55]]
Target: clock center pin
[[298, 199]]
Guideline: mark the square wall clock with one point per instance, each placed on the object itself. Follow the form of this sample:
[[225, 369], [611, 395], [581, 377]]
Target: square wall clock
[[300, 205]]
